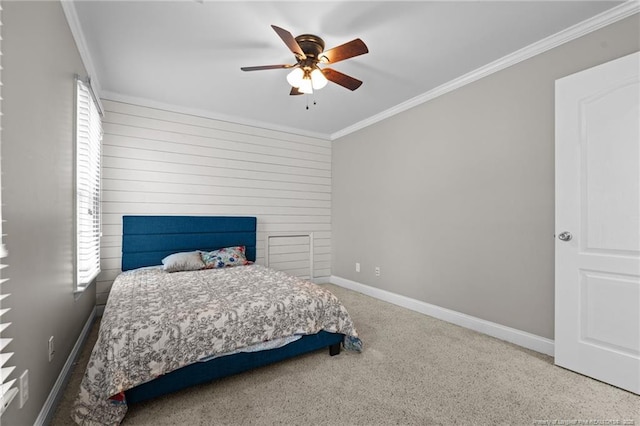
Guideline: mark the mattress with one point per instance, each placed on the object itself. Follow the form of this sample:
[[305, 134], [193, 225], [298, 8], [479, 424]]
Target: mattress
[[156, 322]]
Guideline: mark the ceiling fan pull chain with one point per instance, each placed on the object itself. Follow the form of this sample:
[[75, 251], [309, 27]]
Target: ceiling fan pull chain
[[307, 99]]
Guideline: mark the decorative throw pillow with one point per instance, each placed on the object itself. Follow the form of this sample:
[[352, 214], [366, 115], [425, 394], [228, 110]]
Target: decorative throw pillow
[[184, 261], [228, 256]]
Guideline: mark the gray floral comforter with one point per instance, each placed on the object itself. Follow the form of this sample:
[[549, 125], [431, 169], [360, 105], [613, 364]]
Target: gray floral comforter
[[156, 322]]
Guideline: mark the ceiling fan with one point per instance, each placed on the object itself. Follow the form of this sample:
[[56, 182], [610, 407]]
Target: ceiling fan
[[309, 51]]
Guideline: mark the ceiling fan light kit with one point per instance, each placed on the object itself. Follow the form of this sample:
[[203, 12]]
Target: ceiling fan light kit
[[318, 79], [303, 79], [295, 77], [308, 49]]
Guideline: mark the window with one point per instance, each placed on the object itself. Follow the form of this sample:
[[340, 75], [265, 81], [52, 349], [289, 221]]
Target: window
[[7, 389], [88, 156]]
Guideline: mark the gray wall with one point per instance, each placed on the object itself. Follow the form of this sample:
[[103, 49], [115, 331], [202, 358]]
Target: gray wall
[[40, 59], [454, 199]]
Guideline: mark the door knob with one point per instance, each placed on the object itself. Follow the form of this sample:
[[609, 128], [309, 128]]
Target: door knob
[[565, 236]]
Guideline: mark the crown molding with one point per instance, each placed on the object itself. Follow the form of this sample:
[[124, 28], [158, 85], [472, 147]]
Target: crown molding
[[69, 8], [585, 27], [117, 97]]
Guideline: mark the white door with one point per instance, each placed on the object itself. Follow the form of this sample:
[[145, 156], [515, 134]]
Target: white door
[[597, 246]]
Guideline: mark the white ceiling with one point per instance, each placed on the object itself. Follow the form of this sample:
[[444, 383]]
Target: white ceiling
[[187, 54]]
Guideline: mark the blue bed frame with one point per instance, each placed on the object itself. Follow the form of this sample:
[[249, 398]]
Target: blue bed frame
[[146, 240]]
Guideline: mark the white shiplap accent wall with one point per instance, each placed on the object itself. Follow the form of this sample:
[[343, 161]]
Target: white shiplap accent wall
[[292, 253], [162, 162]]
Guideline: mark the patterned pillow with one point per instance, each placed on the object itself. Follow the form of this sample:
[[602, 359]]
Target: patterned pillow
[[228, 256], [184, 261]]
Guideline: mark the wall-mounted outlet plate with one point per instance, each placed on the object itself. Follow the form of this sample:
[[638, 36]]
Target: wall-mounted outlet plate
[[24, 388], [357, 267], [52, 349], [377, 271]]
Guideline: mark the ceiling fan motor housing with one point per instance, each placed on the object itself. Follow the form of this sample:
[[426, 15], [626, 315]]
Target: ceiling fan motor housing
[[312, 46]]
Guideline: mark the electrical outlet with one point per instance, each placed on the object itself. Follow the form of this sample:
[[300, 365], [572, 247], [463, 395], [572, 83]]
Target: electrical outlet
[[24, 388], [357, 267], [52, 349], [377, 271]]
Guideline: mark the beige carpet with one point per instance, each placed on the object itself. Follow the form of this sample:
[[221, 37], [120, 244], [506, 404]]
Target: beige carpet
[[414, 370]]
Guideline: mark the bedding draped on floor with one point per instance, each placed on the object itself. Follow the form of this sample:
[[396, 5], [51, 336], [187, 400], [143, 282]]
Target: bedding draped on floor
[[156, 322]]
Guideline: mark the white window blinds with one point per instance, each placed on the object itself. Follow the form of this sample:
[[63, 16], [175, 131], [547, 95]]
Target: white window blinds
[[7, 389], [88, 146]]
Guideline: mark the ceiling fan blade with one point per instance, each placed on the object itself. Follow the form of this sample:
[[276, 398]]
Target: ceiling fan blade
[[290, 41], [344, 51], [266, 67], [341, 79], [295, 91]]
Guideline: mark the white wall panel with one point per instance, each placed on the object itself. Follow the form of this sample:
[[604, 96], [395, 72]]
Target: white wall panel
[[230, 147], [224, 181], [161, 162]]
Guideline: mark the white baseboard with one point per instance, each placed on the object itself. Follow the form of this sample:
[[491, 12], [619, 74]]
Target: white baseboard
[[512, 335], [49, 407]]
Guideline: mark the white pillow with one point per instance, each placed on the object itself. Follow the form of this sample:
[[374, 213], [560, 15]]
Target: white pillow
[[184, 261]]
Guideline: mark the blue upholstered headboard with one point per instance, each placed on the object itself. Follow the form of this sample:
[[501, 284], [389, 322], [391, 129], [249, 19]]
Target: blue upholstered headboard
[[146, 240]]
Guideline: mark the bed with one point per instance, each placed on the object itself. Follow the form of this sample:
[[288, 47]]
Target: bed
[[162, 332]]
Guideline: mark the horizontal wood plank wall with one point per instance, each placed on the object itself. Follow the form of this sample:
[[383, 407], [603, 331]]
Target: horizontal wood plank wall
[[159, 162], [291, 254]]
